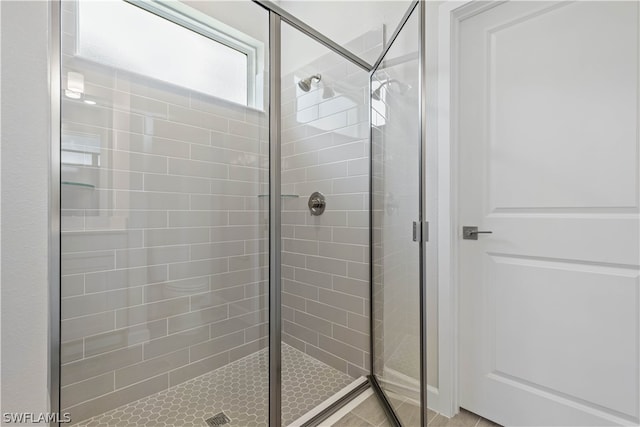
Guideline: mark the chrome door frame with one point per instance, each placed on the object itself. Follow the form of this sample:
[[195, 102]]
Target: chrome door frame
[[277, 15], [420, 7]]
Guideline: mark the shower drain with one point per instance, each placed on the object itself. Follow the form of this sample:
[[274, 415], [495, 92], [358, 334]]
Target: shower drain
[[218, 420]]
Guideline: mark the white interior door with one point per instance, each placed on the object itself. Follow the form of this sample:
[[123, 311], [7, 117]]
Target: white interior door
[[548, 161]]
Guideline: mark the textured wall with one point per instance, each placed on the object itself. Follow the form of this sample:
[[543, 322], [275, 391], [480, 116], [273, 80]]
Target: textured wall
[[325, 258], [164, 240]]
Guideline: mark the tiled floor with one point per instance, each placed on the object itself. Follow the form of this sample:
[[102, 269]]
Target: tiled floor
[[370, 414], [239, 389]]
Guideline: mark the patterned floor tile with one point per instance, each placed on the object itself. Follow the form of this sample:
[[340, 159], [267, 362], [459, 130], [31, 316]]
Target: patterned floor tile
[[239, 389]]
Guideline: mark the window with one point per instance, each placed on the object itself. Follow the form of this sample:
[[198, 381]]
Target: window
[[166, 45]]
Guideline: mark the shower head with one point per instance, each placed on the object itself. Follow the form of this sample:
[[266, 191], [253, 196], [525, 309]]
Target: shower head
[[402, 88], [305, 84]]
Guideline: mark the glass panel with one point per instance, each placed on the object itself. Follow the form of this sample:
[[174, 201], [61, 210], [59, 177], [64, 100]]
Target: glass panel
[[363, 27], [395, 205], [164, 241], [325, 269]]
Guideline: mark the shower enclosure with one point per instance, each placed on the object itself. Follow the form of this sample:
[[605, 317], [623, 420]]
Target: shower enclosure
[[398, 348], [240, 216]]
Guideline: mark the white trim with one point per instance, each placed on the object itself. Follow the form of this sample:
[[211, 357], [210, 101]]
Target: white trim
[[450, 14], [447, 299], [330, 401]]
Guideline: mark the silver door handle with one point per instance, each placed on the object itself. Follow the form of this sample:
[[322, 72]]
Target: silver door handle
[[471, 232]]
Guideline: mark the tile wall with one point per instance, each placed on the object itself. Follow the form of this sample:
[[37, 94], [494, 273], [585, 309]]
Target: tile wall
[[165, 227], [164, 242], [325, 147]]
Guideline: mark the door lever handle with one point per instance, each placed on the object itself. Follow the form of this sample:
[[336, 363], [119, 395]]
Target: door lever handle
[[471, 232]]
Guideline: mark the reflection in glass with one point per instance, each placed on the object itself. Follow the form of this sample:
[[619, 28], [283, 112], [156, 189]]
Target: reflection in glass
[[395, 205]]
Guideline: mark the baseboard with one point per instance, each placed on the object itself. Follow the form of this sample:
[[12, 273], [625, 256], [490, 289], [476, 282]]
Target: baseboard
[[433, 399]]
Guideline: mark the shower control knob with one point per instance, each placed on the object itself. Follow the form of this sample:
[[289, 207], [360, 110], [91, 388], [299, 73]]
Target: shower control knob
[[317, 203]]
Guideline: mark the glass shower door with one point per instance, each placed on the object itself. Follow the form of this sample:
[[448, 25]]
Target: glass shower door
[[324, 157], [396, 215], [164, 213]]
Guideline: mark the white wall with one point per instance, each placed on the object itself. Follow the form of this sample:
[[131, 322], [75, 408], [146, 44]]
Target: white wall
[[343, 21], [242, 15], [24, 166]]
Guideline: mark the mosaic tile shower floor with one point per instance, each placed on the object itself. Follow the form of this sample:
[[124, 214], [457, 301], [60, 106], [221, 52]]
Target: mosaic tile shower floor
[[239, 389]]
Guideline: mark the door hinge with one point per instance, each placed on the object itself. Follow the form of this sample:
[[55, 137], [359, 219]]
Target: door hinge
[[420, 231]]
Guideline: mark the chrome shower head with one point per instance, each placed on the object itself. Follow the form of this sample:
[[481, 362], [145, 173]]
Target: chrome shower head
[[305, 84], [402, 88]]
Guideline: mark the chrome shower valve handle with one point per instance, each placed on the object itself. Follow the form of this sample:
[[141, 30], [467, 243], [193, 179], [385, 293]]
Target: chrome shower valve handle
[[317, 203]]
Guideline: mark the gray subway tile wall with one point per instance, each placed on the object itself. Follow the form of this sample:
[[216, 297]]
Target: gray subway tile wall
[[325, 258], [164, 247]]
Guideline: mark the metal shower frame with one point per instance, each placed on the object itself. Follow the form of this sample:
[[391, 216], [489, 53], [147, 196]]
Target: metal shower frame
[[277, 15]]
